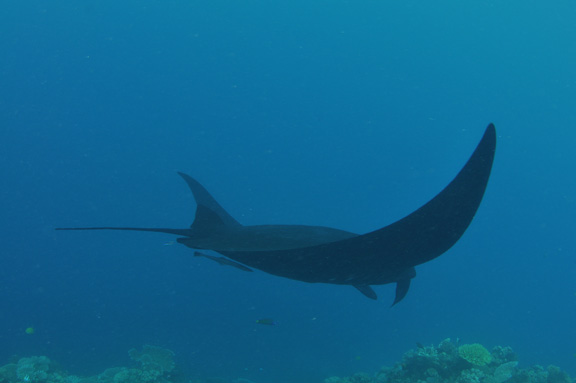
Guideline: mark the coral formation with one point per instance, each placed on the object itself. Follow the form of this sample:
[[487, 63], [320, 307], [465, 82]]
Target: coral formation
[[152, 358], [475, 353], [35, 369], [155, 366], [504, 371], [8, 373], [448, 363]]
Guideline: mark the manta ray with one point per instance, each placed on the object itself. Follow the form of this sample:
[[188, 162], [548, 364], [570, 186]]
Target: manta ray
[[319, 254]]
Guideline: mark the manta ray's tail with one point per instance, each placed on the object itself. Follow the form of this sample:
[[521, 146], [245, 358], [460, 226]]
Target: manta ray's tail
[[210, 216], [185, 232]]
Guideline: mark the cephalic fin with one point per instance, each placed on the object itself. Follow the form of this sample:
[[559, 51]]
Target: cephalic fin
[[367, 291]]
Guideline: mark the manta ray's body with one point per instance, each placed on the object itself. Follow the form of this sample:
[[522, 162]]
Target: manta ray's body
[[327, 255]]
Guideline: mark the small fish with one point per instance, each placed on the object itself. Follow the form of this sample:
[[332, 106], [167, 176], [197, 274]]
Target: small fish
[[30, 330], [419, 345], [266, 322]]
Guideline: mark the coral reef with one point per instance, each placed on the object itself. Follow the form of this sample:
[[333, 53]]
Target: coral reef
[[35, 369], [152, 358], [448, 363], [155, 365], [8, 373]]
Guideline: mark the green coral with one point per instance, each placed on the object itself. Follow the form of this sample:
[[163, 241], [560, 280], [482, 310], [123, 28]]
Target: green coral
[[475, 353]]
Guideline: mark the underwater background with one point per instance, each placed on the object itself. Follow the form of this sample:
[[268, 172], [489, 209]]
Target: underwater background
[[348, 114]]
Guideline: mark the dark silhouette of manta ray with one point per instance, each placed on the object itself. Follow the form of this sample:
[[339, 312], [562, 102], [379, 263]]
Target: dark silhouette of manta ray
[[327, 255]]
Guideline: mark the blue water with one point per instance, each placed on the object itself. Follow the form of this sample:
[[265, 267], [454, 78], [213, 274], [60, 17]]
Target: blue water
[[349, 114]]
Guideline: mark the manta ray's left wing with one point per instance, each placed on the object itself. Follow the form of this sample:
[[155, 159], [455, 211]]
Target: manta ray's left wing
[[389, 254]]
